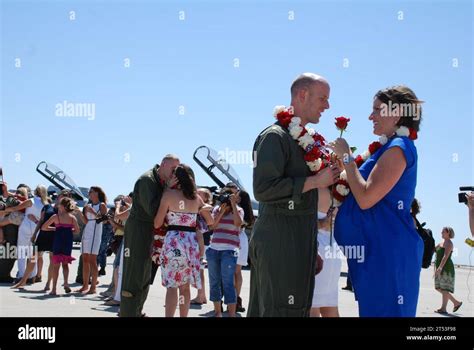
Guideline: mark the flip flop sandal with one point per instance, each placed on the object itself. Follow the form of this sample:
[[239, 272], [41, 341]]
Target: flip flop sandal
[[456, 308], [441, 312]]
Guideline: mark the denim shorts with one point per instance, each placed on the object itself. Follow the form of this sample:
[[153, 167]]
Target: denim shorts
[[221, 267]]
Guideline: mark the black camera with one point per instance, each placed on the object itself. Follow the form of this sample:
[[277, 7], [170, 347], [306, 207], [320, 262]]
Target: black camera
[[462, 195], [102, 218], [223, 197]]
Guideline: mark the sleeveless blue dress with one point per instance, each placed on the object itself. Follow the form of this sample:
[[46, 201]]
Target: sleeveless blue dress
[[383, 249]]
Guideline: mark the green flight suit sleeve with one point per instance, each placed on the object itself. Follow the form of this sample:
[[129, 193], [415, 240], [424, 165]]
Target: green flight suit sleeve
[[270, 184], [149, 201]]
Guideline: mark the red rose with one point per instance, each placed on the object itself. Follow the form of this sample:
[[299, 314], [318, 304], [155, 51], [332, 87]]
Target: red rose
[[413, 134], [316, 151], [337, 195], [359, 161], [341, 123], [284, 120], [319, 138], [374, 146], [310, 157]]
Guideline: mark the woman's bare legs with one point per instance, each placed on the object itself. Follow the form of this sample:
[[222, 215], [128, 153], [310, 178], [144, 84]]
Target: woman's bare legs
[[55, 278], [85, 273], [30, 266], [238, 280], [94, 273], [329, 311], [171, 301], [40, 265], [315, 312], [50, 272], [184, 300], [65, 266]]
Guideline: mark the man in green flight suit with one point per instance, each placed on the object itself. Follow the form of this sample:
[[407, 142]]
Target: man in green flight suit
[[138, 235], [283, 249]]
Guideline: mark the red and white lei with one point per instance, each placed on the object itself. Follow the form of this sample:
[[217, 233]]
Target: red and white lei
[[316, 155], [341, 188]]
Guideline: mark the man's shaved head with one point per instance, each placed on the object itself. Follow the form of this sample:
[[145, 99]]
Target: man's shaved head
[[304, 81]]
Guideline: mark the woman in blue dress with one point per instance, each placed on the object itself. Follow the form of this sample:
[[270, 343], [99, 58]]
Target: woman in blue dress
[[374, 226]]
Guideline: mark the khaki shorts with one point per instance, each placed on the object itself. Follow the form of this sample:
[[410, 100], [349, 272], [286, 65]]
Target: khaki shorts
[[15, 218]]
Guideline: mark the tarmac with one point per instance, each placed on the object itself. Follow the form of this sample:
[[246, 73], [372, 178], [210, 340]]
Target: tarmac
[[33, 302]]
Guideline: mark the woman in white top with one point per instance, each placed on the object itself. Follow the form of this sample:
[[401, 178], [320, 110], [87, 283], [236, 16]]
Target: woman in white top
[[326, 283], [91, 237], [27, 227]]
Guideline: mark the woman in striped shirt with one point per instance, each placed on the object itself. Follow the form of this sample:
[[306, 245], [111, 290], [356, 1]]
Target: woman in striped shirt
[[223, 252]]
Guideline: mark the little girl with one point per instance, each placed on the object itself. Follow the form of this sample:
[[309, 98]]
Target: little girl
[[65, 223]]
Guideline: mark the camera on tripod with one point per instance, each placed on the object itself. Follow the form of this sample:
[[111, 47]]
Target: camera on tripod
[[462, 195]]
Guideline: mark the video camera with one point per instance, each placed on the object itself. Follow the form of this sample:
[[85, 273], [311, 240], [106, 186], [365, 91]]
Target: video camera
[[462, 195]]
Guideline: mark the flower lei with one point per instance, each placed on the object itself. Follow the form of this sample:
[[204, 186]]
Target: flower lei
[[316, 156], [341, 188]]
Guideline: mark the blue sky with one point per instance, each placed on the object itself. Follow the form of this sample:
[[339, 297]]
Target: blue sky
[[213, 77]]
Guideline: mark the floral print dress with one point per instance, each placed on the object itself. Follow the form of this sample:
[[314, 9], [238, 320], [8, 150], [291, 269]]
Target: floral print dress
[[180, 254]]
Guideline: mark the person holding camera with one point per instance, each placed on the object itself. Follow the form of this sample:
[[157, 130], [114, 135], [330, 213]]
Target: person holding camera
[[95, 212], [223, 252], [470, 205], [107, 235], [122, 211]]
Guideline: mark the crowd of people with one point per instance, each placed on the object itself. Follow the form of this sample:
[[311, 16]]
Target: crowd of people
[[201, 229]]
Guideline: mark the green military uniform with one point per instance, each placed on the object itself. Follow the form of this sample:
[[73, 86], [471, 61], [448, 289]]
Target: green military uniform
[[138, 242], [283, 242]]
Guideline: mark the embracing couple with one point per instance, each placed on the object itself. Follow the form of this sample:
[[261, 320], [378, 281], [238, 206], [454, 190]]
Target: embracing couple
[[165, 198], [374, 192]]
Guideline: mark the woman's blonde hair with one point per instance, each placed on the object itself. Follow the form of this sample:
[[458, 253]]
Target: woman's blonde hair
[[449, 230], [208, 195], [42, 192]]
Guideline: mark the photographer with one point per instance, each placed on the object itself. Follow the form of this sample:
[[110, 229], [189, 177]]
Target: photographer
[[123, 205], [470, 205], [223, 251]]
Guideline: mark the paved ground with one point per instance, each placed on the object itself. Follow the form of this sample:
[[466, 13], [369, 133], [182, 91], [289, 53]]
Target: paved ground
[[32, 302]]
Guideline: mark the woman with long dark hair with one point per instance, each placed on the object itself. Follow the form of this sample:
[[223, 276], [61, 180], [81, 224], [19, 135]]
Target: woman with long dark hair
[[91, 237], [180, 255], [246, 204]]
